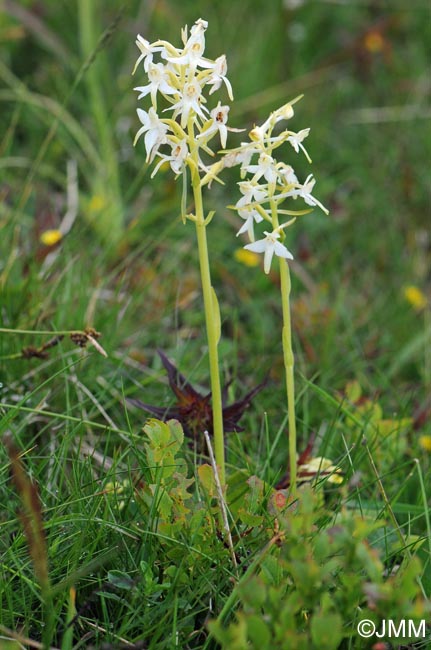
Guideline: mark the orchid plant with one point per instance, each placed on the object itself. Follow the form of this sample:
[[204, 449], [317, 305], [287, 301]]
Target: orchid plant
[[185, 79], [266, 183]]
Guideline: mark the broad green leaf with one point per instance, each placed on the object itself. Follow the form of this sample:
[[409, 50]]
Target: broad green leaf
[[120, 579], [353, 391], [326, 631], [258, 632], [206, 479], [249, 518]]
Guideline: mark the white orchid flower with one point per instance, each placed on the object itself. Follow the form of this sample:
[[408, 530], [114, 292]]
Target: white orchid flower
[[304, 191], [159, 82], [155, 131], [147, 50], [252, 192], [265, 167], [240, 156], [270, 246], [194, 47], [251, 216], [296, 139], [190, 100], [218, 76], [177, 159], [217, 123], [287, 174]]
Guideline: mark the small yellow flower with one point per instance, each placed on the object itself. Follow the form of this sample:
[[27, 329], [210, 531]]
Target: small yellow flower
[[115, 488], [374, 42], [97, 203], [323, 467], [425, 442], [336, 478], [50, 237], [248, 258], [415, 297]]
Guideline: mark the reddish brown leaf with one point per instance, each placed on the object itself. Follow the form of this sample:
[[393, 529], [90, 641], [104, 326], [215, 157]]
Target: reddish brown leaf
[[194, 410]]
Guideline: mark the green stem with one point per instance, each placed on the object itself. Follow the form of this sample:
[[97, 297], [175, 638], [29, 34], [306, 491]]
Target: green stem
[[288, 357], [49, 619], [9, 357], [7, 330], [289, 368], [212, 317]]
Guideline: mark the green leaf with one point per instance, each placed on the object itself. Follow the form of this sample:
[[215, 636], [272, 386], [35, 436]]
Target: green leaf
[[108, 595], [326, 631], [120, 580], [177, 434], [158, 433], [249, 518], [253, 592], [206, 479], [216, 314], [385, 427], [258, 632], [353, 391]]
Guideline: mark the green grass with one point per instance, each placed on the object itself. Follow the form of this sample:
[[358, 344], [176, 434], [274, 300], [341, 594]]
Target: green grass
[[128, 268]]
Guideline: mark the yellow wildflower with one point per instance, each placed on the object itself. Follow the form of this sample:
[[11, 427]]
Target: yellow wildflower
[[374, 42], [97, 203], [51, 237], [425, 442], [415, 297], [248, 258], [322, 467]]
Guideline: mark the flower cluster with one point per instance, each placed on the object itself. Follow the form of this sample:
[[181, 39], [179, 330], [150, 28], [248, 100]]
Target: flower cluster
[[180, 76], [267, 184]]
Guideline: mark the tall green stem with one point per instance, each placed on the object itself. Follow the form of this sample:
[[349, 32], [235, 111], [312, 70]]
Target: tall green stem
[[288, 357], [289, 368], [212, 316]]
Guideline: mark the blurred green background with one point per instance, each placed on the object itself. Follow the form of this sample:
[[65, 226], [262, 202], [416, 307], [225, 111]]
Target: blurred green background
[[127, 266]]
